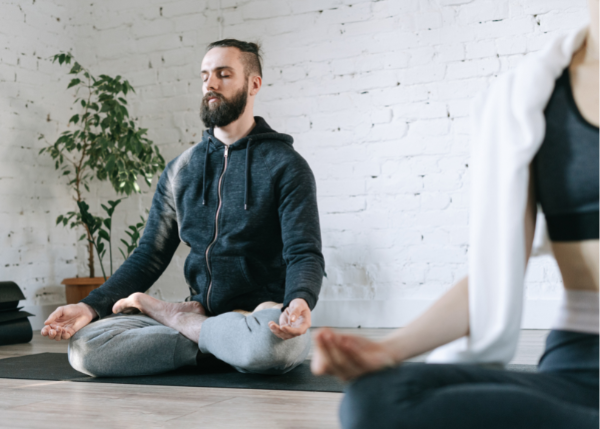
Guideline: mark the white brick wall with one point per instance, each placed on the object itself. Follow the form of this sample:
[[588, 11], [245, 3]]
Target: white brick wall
[[33, 252], [376, 95]]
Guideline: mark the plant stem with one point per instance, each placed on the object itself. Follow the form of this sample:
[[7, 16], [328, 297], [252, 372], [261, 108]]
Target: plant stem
[[79, 168], [91, 254], [100, 260], [110, 246]]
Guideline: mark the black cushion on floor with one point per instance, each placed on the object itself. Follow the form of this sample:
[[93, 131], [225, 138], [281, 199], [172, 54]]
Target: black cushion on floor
[[9, 316], [14, 325], [10, 294], [211, 373]]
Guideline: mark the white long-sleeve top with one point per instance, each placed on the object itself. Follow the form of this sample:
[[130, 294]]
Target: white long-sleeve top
[[508, 128]]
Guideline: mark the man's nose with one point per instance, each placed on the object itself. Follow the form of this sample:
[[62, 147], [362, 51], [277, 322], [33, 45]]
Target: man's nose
[[212, 83]]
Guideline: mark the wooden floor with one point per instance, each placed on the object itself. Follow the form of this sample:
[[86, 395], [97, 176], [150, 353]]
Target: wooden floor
[[36, 404]]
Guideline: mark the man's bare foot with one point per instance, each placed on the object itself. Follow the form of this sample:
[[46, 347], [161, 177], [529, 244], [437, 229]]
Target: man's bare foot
[[147, 304], [185, 317]]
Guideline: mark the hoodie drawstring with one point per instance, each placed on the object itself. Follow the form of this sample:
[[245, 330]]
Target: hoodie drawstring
[[247, 184], [204, 175]]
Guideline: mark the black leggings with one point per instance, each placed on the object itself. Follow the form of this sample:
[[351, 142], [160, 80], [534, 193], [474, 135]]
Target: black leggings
[[564, 394]]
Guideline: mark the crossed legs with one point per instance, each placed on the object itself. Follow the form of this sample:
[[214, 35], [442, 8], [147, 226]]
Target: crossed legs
[[184, 317], [466, 396], [169, 335]]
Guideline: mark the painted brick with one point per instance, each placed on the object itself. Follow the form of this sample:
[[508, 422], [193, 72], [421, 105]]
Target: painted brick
[[484, 10], [375, 94], [473, 68]]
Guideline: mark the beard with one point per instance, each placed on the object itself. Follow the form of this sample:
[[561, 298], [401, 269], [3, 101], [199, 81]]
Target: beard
[[223, 112]]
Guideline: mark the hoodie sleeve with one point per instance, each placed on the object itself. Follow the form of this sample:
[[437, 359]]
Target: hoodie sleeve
[[156, 248], [301, 233]]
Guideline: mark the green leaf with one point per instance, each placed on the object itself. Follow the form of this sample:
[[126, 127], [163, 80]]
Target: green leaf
[[76, 68], [108, 223], [74, 119], [102, 233], [74, 82]]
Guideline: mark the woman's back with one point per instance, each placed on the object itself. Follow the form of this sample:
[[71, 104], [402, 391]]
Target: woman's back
[[577, 257]]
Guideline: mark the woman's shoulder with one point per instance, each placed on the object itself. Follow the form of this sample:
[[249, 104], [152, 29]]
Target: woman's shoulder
[[528, 86]]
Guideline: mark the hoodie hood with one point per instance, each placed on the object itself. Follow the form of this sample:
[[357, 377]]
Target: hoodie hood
[[261, 131]]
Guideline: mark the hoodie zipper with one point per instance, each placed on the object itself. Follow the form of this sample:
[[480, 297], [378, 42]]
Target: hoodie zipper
[[216, 226]]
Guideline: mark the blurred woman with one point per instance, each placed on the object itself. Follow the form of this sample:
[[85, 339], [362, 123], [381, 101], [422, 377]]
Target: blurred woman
[[535, 141]]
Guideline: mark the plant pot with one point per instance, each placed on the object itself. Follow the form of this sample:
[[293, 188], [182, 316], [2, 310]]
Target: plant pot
[[77, 288]]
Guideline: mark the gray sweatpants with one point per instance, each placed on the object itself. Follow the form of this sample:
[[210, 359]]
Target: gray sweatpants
[[139, 345]]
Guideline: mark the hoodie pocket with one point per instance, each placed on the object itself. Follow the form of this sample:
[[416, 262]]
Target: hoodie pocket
[[268, 278], [195, 273], [244, 267], [229, 281]]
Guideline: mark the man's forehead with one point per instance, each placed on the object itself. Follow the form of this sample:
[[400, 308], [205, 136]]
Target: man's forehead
[[222, 58]]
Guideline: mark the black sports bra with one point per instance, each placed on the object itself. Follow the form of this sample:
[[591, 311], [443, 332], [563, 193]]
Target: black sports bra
[[566, 168]]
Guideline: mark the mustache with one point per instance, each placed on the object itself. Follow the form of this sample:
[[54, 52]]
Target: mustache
[[212, 94]]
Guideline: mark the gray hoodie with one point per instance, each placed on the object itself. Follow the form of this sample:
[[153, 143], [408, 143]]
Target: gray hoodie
[[249, 214]]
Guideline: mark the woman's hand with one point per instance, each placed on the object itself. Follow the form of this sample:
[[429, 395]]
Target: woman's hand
[[348, 356]]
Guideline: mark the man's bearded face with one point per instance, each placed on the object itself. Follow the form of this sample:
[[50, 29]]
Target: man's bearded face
[[222, 111]]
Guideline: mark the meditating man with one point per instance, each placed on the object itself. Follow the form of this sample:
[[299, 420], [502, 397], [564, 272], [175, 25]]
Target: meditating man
[[245, 203]]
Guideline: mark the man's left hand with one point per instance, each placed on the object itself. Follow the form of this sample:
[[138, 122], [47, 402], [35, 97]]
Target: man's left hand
[[293, 322]]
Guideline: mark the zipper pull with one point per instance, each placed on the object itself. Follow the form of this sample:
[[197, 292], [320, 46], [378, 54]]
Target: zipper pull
[[226, 151]]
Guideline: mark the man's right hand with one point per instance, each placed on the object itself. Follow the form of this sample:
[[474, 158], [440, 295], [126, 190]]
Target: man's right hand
[[66, 320]]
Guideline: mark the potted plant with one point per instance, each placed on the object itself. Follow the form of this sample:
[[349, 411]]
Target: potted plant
[[105, 144]]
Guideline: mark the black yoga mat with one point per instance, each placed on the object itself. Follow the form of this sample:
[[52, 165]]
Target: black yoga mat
[[210, 373]]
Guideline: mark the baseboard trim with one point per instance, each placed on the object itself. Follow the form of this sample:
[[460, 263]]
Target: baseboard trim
[[538, 314]]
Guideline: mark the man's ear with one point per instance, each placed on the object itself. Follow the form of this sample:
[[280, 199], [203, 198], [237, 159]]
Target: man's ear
[[255, 82]]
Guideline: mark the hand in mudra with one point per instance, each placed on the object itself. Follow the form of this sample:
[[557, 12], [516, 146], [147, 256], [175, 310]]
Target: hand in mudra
[[348, 356], [294, 320], [66, 320]]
